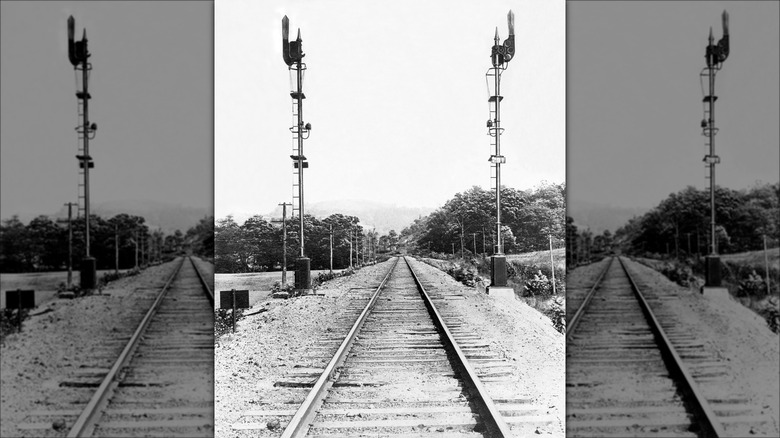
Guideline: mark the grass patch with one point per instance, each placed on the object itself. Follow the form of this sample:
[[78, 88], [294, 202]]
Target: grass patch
[[541, 258]]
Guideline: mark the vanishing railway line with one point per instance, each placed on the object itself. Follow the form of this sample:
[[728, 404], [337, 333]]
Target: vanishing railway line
[[403, 368], [635, 371], [157, 381]]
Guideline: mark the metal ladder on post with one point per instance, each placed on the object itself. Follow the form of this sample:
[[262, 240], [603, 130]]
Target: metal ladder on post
[[705, 127], [80, 130], [493, 131], [295, 129]]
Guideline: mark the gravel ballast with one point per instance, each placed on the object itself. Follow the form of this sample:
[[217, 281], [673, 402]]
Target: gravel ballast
[[267, 346], [58, 340], [734, 336]]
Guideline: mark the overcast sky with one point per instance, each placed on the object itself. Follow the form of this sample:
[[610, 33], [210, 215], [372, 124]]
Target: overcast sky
[[635, 100], [152, 99], [396, 96]]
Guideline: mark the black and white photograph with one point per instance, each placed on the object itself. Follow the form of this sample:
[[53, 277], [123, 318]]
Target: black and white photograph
[[673, 175], [240, 218], [106, 286], [366, 284]]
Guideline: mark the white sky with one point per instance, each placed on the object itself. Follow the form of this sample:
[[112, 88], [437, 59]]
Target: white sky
[[635, 101], [396, 96]]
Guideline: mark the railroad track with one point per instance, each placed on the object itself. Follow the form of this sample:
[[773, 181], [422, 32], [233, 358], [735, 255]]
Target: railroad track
[[157, 381], [401, 369], [624, 375]]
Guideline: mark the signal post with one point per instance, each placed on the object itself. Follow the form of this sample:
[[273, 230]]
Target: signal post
[[292, 52], [500, 56]]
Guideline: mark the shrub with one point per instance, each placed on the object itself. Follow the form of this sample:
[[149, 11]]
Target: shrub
[[539, 285], [277, 287], [752, 286], [223, 321], [113, 276], [466, 275], [325, 276], [771, 313], [557, 314], [679, 273], [10, 321]]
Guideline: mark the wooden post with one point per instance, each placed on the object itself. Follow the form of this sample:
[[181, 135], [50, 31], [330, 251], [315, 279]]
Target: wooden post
[[233, 295], [116, 249], [19, 310], [766, 266], [552, 265]]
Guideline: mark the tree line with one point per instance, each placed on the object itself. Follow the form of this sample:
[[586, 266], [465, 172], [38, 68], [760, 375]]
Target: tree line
[[467, 223], [43, 243], [679, 226], [257, 244]]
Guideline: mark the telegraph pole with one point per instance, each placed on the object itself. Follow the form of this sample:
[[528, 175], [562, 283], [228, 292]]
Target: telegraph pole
[[484, 254], [116, 248], [688, 235], [500, 56], [78, 55], [552, 265], [462, 257], [284, 242], [766, 267], [331, 249], [70, 243], [714, 55], [350, 248], [292, 52]]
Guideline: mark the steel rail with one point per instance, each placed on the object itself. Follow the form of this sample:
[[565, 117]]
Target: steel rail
[[575, 320], [695, 400], [300, 422], [496, 426], [87, 417], [209, 293]]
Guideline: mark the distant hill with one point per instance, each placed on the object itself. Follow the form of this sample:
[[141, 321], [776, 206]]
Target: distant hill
[[383, 217], [599, 217], [166, 216]]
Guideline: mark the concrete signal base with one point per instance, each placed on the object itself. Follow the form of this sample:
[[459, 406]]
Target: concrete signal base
[[501, 292], [714, 292], [303, 275]]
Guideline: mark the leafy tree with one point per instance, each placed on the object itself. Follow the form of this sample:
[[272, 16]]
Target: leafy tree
[[528, 219], [200, 238], [742, 218], [14, 246]]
